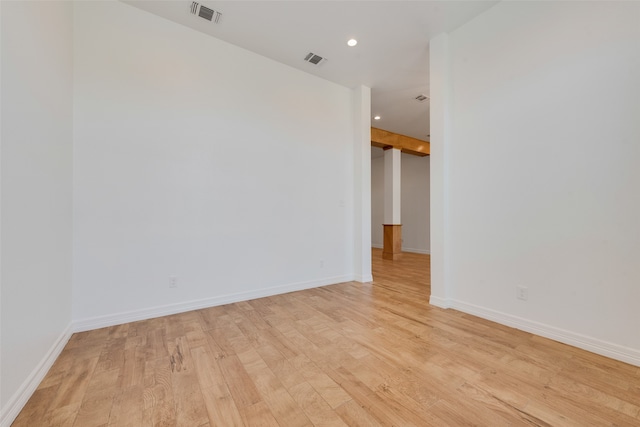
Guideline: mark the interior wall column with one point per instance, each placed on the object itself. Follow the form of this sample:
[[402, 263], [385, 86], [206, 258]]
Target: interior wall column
[[362, 185], [392, 240], [441, 134]]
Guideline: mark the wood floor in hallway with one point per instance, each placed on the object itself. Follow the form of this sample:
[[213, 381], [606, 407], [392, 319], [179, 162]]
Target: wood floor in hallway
[[350, 354]]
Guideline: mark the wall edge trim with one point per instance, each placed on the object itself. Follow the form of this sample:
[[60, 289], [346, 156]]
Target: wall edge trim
[[417, 251], [410, 250], [584, 342], [16, 403], [363, 278], [440, 302], [90, 323]]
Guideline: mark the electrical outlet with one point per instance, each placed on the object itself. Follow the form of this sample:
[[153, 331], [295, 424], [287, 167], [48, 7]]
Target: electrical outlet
[[522, 293], [173, 281]]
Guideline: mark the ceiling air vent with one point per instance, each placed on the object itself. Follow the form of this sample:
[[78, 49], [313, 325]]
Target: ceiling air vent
[[205, 12], [314, 59], [421, 98]]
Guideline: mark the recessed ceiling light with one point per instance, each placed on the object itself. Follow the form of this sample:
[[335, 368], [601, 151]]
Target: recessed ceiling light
[[376, 118], [352, 42]]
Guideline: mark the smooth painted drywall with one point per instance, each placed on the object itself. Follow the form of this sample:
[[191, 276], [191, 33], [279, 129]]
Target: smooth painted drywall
[[200, 160], [392, 186], [439, 147], [361, 189], [377, 197], [36, 189], [414, 202], [542, 169]]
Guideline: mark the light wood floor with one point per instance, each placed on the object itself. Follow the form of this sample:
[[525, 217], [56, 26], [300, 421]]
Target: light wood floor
[[349, 354]]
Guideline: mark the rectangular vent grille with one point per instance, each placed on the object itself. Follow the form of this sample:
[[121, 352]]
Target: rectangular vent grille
[[314, 59], [421, 98], [205, 12]]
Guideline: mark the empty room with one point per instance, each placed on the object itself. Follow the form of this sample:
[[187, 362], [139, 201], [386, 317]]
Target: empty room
[[191, 220]]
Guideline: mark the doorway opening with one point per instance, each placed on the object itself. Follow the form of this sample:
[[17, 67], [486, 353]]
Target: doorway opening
[[414, 264]]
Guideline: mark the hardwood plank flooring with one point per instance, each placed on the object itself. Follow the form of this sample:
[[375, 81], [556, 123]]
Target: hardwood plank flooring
[[350, 354]]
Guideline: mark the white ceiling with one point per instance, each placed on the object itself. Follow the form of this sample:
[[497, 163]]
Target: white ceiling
[[392, 55]]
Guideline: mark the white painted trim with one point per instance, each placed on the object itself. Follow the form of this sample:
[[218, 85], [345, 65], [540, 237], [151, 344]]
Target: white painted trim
[[411, 250], [20, 398], [594, 345], [417, 251], [363, 279], [91, 323], [439, 302]]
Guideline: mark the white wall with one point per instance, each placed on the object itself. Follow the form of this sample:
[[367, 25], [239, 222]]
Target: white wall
[[361, 189], [198, 159], [414, 205], [542, 171], [439, 148], [36, 149], [377, 197]]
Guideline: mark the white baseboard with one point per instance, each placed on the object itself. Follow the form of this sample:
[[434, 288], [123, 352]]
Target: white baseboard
[[97, 322], [417, 251], [411, 250], [363, 278], [20, 398], [604, 348], [439, 302]]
